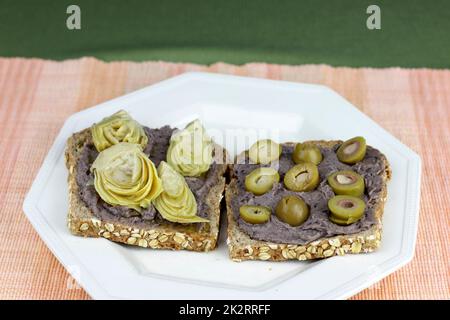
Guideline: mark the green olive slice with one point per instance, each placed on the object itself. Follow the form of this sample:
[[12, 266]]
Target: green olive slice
[[264, 151], [346, 182], [345, 210], [343, 222], [261, 180], [255, 214], [352, 150], [292, 210], [306, 153], [302, 177]]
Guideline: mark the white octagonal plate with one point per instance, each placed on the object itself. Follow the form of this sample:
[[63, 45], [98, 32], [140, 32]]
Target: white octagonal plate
[[282, 110]]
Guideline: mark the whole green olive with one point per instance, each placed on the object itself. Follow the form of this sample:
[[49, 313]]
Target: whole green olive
[[346, 182], [302, 177], [255, 214], [264, 151], [261, 180], [307, 153], [345, 210], [292, 210], [352, 150]]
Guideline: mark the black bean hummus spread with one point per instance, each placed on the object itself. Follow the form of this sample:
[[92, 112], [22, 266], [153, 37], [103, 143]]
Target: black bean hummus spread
[[317, 225], [156, 149]]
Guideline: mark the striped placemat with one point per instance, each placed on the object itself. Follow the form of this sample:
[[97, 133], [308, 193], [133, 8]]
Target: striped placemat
[[36, 96]]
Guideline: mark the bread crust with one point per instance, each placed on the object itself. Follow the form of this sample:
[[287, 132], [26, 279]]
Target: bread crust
[[82, 222], [241, 247]]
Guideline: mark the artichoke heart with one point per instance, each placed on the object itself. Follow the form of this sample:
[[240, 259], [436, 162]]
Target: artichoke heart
[[177, 202], [190, 151], [119, 127], [125, 176]]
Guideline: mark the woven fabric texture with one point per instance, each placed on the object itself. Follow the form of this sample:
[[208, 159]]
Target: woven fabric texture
[[36, 96]]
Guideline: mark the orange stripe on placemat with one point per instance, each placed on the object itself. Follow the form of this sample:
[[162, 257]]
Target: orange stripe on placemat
[[37, 96]]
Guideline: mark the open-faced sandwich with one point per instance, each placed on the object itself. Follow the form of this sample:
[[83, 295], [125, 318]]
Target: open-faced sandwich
[[155, 188], [162, 188], [306, 201]]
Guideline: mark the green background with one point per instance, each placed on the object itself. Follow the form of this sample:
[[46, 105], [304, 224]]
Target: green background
[[414, 33]]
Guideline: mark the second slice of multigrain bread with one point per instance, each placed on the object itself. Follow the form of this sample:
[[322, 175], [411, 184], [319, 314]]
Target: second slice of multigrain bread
[[241, 247], [166, 235]]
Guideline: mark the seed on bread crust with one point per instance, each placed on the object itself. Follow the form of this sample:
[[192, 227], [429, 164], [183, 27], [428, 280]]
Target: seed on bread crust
[[124, 232], [302, 257], [207, 244], [264, 256], [292, 254], [153, 235], [378, 235], [84, 227], [288, 253], [319, 251], [153, 244], [179, 234], [131, 240], [106, 234], [335, 242], [356, 247], [264, 249], [300, 249], [142, 243], [178, 239], [163, 238], [312, 249], [185, 244]]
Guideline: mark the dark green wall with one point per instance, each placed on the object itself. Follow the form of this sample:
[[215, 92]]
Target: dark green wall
[[414, 33]]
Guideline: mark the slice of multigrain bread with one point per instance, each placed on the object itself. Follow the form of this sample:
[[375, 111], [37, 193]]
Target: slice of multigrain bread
[[242, 247], [164, 235]]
